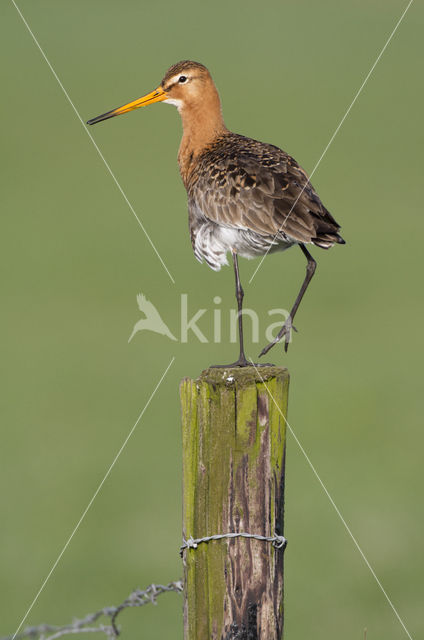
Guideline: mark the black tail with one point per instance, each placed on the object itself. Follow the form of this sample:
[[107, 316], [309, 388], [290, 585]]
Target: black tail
[[327, 240]]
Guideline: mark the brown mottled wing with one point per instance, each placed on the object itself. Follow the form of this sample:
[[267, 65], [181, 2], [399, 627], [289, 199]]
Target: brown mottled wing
[[247, 184]]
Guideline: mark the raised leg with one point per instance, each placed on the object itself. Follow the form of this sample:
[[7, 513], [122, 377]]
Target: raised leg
[[287, 327], [242, 361]]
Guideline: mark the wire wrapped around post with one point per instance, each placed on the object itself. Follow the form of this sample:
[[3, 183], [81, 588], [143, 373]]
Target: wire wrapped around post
[[278, 542]]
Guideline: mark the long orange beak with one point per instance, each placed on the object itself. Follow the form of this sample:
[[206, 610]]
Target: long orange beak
[[155, 96]]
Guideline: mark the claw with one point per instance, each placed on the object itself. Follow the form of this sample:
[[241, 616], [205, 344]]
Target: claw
[[266, 349], [284, 332]]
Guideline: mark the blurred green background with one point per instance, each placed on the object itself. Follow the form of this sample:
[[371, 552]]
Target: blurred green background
[[73, 259]]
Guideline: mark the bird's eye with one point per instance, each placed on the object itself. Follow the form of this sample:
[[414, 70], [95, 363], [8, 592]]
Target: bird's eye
[[182, 79]]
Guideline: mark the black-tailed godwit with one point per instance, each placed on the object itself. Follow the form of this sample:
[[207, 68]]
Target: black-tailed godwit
[[245, 197]]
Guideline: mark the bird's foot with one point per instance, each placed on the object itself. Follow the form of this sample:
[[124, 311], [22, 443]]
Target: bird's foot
[[241, 362], [286, 332]]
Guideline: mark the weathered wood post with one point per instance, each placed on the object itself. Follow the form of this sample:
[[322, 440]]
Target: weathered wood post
[[233, 481]]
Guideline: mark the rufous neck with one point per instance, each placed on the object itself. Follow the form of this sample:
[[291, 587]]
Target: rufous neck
[[202, 124]]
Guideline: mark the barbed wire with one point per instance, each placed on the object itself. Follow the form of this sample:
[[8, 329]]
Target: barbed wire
[[278, 542], [137, 598]]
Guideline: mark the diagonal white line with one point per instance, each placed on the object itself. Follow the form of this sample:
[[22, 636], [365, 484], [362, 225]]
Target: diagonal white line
[[94, 143], [346, 526], [92, 499], [334, 134]]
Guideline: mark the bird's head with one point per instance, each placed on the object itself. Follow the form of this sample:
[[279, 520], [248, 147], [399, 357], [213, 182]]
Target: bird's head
[[188, 85]]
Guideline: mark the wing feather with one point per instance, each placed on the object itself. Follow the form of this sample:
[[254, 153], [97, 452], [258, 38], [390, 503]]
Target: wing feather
[[245, 184]]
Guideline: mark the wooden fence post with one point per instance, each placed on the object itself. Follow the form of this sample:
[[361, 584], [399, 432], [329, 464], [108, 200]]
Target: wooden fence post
[[233, 481]]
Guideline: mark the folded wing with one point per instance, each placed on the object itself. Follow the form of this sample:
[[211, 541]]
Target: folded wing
[[252, 185]]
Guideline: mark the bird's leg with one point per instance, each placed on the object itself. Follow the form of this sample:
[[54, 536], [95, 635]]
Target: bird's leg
[[239, 295], [288, 325], [242, 361]]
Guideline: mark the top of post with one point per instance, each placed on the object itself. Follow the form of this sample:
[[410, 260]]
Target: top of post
[[242, 376]]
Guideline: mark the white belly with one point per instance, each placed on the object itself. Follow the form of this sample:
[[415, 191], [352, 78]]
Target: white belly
[[212, 243]]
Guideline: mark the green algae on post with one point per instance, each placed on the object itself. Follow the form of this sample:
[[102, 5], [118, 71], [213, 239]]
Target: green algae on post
[[233, 481]]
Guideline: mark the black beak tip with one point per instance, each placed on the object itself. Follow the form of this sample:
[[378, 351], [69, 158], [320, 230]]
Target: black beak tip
[[97, 119], [103, 116]]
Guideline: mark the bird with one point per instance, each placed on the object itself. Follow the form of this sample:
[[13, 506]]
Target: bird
[[152, 320], [245, 197]]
